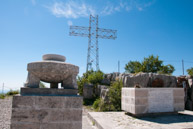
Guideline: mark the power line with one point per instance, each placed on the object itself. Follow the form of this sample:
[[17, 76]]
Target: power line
[[183, 66]]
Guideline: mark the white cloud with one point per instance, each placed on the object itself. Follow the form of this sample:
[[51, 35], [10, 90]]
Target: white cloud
[[108, 10], [70, 23], [76, 9], [33, 2], [71, 9]]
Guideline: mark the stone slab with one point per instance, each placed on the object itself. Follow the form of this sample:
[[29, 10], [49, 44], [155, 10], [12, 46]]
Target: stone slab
[[47, 92], [119, 120]]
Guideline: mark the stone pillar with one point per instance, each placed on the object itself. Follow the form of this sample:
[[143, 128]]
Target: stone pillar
[[32, 81], [70, 83]]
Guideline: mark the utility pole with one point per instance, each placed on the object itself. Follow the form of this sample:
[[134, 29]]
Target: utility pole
[[3, 89], [93, 33], [183, 66], [119, 66]]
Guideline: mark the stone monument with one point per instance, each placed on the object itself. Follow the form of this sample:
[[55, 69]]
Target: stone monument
[[48, 108]]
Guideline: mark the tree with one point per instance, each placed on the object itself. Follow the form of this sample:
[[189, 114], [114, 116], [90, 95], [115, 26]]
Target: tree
[[150, 64], [190, 71], [133, 67], [92, 77], [168, 69]]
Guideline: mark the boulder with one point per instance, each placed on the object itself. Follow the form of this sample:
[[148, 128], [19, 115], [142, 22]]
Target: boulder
[[88, 91], [148, 80]]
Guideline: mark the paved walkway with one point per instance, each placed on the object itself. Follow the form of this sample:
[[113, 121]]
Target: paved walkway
[[86, 122], [118, 120]]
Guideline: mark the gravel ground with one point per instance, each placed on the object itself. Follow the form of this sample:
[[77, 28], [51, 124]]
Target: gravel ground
[[5, 115]]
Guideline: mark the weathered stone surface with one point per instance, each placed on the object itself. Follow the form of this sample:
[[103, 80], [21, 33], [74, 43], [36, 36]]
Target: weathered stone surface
[[55, 111], [25, 126], [103, 94], [52, 71], [167, 80], [144, 80], [180, 81], [61, 126], [54, 57], [152, 100], [88, 91], [48, 91], [106, 81], [100, 88]]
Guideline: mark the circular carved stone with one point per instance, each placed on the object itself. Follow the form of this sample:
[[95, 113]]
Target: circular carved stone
[[54, 57], [52, 72]]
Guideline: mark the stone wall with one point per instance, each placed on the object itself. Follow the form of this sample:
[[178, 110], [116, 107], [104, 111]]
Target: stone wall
[[152, 100], [46, 112]]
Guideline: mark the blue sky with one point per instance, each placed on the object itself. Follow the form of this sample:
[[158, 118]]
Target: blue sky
[[31, 28]]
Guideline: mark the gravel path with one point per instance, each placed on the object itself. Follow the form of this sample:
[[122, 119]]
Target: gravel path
[[5, 115]]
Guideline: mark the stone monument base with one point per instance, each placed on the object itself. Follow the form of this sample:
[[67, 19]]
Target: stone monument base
[[143, 101], [46, 112], [47, 92]]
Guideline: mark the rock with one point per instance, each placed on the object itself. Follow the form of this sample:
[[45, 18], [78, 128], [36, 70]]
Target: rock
[[106, 81], [103, 95], [100, 88], [140, 79], [166, 80], [190, 82], [157, 83], [180, 81], [88, 91], [189, 105], [148, 80]]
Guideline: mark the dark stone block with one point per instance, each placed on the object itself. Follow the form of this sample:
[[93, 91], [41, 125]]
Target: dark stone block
[[48, 92]]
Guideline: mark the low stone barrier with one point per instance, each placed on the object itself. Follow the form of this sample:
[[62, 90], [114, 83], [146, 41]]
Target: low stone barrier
[[139, 101]]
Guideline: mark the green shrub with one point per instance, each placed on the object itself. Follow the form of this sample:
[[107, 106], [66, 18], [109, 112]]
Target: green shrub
[[114, 96], [113, 101], [12, 92], [2, 96], [90, 77], [96, 104], [80, 82], [95, 77], [88, 102], [190, 71]]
